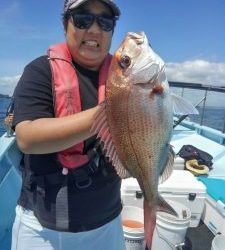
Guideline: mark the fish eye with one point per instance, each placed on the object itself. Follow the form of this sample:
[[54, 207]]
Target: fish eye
[[125, 61]]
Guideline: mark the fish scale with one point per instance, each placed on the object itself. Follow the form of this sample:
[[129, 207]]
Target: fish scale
[[135, 122], [138, 127]]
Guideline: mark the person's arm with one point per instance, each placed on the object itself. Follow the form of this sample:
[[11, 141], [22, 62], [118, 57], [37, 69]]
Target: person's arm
[[37, 130], [48, 135]]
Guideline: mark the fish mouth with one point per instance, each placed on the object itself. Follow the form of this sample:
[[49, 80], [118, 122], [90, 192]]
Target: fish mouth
[[138, 37], [145, 67]]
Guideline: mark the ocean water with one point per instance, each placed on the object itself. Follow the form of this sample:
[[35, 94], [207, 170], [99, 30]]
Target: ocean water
[[214, 117]]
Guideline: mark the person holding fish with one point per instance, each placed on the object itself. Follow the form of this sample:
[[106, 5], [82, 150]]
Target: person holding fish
[[70, 196], [84, 120]]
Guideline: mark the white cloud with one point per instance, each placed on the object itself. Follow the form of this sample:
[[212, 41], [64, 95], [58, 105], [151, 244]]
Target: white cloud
[[197, 71], [8, 83]]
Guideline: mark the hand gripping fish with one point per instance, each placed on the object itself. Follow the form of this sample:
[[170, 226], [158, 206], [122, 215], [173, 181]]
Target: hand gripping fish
[[135, 122]]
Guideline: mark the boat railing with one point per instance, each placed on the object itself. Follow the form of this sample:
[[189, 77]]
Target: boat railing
[[200, 101]]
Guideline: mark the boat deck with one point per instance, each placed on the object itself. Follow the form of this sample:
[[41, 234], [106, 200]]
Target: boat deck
[[206, 139], [203, 138], [199, 238], [210, 141]]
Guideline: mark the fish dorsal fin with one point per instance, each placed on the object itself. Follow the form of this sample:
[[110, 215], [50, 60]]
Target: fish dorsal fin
[[182, 106], [168, 168], [163, 206], [101, 128]]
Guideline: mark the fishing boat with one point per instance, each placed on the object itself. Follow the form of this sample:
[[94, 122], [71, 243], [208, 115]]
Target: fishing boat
[[186, 132]]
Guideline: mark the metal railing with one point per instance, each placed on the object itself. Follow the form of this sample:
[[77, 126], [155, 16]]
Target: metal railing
[[203, 87]]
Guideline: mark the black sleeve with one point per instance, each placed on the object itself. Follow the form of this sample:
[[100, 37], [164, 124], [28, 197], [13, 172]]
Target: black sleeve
[[33, 94]]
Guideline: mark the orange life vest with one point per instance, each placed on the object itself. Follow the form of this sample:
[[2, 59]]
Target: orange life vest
[[66, 96]]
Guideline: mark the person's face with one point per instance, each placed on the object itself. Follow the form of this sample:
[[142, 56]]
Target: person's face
[[89, 46]]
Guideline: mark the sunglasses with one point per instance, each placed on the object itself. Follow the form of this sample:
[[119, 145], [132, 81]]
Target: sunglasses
[[85, 20]]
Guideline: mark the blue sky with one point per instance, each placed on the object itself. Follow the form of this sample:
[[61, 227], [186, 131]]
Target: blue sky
[[188, 34]]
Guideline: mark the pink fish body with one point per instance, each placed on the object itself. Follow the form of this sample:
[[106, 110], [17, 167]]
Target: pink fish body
[[136, 122]]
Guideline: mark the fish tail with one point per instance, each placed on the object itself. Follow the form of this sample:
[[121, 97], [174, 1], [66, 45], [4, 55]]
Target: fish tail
[[150, 218], [149, 223], [165, 207]]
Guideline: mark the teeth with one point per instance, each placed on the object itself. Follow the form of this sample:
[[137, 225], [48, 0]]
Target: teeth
[[91, 43]]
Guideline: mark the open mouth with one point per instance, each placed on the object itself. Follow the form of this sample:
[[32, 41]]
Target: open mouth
[[91, 43]]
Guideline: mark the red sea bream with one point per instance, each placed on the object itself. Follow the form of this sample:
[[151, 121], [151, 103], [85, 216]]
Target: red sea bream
[[136, 121]]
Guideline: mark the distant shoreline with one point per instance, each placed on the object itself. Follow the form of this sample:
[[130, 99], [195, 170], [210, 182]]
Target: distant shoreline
[[4, 96]]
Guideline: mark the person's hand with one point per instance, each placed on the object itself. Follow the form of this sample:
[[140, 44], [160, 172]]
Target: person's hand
[[8, 120], [50, 135]]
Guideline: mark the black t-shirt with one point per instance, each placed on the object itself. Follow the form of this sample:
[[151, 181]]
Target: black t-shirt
[[33, 99], [43, 189]]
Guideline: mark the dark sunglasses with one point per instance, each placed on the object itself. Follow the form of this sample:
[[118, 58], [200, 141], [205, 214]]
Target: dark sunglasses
[[85, 20]]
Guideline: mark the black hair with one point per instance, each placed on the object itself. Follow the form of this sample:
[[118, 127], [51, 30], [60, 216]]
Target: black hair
[[65, 18]]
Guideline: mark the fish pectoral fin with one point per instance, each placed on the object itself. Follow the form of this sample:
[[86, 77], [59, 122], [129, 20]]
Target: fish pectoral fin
[[163, 206], [182, 106], [101, 128], [168, 168]]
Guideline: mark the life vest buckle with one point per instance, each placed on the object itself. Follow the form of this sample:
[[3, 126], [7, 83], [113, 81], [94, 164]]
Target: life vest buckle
[[83, 183], [81, 178]]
